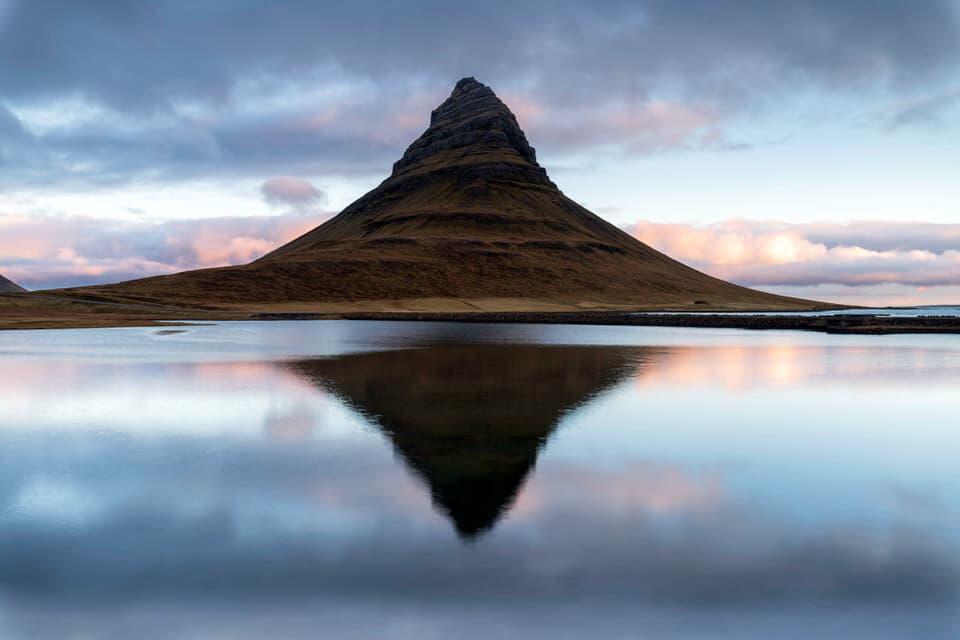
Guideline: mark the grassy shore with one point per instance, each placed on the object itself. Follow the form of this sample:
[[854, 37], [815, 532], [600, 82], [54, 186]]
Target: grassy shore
[[39, 311], [42, 311]]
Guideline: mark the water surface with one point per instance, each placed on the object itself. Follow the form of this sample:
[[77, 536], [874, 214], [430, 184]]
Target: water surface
[[951, 311], [431, 480]]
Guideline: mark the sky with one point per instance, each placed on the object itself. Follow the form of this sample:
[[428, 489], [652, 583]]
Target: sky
[[807, 147]]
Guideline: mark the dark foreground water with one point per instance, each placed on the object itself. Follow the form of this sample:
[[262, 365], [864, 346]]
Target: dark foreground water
[[393, 480]]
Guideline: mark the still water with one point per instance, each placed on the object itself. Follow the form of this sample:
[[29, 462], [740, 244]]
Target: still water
[[951, 311], [419, 480]]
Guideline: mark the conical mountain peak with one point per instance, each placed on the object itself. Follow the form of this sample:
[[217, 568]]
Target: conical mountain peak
[[473, 121], [466, 215]]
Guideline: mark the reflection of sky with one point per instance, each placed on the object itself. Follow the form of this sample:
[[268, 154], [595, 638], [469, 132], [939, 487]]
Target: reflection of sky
[[236, 399], [789, 489]]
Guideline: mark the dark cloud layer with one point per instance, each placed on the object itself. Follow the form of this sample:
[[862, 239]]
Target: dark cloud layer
[[147, 56], [174, 82]]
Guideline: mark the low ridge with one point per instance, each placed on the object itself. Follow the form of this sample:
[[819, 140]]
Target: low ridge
[[467, 214], [8, 286]]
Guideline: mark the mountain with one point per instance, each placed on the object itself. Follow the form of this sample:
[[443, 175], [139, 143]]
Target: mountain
[[470, 420], [6, 286], [467, 219]]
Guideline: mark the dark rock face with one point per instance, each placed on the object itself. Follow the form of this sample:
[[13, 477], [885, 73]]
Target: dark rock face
[[6, 286], [472, 115]]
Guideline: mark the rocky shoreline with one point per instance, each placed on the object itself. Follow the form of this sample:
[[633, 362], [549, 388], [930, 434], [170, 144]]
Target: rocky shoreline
[[842, 324]]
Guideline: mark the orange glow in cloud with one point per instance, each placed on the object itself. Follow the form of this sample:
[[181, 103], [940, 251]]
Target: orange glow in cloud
[[46, 251], [776, 254], [734, 367], [731, 244]]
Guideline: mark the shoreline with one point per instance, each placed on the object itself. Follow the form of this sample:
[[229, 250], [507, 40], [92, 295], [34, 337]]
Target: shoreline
[[33, 311], [841, 324]]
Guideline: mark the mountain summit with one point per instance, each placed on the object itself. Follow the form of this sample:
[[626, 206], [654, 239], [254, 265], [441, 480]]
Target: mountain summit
[[471, 174], [7, 286], [472, 115], [466, 220]]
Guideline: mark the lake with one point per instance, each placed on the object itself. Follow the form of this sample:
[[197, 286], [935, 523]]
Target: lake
[[951, 311], [430, 480]]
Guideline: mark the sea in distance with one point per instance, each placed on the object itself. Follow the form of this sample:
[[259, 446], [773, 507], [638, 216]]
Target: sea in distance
[[351, 479]]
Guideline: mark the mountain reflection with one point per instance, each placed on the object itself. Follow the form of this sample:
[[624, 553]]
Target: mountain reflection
[[471, 419]]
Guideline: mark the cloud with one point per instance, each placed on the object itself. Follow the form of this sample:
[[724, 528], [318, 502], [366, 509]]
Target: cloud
[[860, 263], [18, 147], [773, 254], [57, 251], [655, 126], [210, 53], [930, 111], [215, 90], [287, 190]]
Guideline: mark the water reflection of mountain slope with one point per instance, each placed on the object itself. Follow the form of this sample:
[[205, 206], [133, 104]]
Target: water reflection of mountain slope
[[470, 419]]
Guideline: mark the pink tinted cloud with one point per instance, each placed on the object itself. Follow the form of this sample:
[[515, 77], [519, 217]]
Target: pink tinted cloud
[[653, 126], [366, 119], [55, 251], [777, 254], [858, 263], [291, 191]]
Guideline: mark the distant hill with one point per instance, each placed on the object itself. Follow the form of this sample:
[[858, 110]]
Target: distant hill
[[467, 219], [6, 286]]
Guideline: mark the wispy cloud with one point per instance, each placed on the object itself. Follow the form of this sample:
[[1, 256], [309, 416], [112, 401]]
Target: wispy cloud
[[654, 126], [931, 111]]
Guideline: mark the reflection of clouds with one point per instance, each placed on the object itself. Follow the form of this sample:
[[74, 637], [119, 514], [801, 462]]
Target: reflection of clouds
[[744, 367], [297, 424], [653, 488], [271, 520], [192, 529], [300, 618], [247, 398]]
